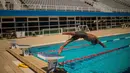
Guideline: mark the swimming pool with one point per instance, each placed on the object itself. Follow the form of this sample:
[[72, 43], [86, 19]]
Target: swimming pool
[[113, 62]]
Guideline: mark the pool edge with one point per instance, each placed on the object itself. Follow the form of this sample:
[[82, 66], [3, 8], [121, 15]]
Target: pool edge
[[24, 60]]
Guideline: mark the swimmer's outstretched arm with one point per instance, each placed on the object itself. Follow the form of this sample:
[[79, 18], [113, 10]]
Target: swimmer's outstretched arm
[[73, 38], [62, 47]]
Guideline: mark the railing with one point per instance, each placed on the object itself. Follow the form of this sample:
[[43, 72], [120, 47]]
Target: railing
[[56, 7], [66, 29], [50, 31]]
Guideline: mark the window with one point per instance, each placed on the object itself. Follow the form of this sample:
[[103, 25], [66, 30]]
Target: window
[[21, 19], [7, 19], [43, 18], [32, 19]]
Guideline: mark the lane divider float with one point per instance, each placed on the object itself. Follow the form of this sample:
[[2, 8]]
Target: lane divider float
[[93, 55]]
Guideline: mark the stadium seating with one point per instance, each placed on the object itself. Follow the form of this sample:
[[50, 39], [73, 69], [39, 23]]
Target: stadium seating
[[114, 4], [75, 5], [59, 4], [103, 7], [124, 2], [2, 5]]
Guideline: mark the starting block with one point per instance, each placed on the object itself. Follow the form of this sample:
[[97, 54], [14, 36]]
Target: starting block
[[52, 60]]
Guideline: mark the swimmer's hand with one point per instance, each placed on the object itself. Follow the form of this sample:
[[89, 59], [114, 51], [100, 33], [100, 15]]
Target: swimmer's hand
[[59, 52]]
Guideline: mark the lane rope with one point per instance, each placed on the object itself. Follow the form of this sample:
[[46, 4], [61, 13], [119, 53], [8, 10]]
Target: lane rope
[[93, 55]]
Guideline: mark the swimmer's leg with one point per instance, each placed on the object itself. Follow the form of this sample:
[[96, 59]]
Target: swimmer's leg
[[96, 41]]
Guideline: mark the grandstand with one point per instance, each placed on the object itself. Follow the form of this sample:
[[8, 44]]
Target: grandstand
[[1, 6], [44, 17], [56, 4], [124, 2], [79, 5], [115, 4]]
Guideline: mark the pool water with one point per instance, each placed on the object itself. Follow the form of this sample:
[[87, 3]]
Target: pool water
[[113, 62]]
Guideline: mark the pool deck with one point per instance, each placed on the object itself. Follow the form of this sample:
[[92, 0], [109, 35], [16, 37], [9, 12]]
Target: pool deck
[[39, 65], [6, 64], [36, 64], [44, 40]]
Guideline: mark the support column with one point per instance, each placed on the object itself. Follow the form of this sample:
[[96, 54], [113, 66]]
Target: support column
[[25, 51], [1, 28], [27, 28], [97, 23], [39, 26], [58, 25], [49, 25]]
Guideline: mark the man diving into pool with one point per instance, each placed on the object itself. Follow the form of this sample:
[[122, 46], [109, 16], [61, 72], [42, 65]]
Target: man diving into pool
[[81, 34]]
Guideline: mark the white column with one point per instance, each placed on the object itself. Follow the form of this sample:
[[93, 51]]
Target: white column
[[97, 23]]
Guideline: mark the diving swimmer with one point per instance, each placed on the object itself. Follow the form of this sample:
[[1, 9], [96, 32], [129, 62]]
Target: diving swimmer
[[80, 34]]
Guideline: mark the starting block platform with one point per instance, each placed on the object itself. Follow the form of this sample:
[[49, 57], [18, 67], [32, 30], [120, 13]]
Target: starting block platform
[[52, 60], [49, 56]]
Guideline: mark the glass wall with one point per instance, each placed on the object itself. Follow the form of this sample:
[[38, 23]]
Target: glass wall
[[56, 25]]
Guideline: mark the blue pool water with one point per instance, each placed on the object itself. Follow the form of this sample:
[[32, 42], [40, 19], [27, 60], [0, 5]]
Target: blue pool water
[[113, 62]]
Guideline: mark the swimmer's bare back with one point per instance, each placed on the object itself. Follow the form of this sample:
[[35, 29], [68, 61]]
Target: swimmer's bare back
[[81, 34], [68, 33]]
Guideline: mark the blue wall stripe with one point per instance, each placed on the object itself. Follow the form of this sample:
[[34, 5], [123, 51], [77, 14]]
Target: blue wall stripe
[[57, 13]]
